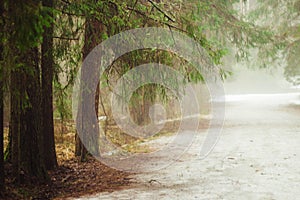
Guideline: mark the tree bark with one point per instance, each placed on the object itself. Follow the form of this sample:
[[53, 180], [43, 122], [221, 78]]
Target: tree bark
[[26, 112], [1, 140], [47, 94], [15, 121], [31, 135], [1, 109], [1, 135], [93, 30]]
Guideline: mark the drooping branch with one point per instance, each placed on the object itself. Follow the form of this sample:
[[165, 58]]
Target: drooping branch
[[160, 10]]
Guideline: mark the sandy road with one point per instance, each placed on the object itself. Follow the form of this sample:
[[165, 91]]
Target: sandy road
[[256, 157]]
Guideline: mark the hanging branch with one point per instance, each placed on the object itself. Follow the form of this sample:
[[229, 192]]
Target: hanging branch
[[132, 10], [160, 10]]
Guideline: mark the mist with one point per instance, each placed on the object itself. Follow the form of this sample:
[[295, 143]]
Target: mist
[[257, 81]]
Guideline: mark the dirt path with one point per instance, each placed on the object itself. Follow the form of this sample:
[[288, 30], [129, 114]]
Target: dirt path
[[257, 157]]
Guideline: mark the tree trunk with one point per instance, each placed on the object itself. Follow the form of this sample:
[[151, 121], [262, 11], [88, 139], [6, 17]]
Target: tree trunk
[[31, 135], [93, 30], [1, 134], [47, 97], [15, 121], [26, 113], [141, 103], [1, 109], [77, 145], [1, 137]]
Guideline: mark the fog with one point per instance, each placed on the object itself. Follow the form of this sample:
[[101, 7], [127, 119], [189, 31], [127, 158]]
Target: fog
[[257, 81]]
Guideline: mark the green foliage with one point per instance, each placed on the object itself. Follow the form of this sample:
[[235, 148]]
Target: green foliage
[[62, 109], [282, 18], [23, 26], [215, 24], [29, 21]]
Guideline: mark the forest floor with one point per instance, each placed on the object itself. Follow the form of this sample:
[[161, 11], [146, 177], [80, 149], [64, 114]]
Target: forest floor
[[72, 178]]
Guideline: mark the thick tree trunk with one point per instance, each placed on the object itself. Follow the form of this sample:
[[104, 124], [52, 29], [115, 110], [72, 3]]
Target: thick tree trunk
[[47, 97], [80, 149], [31, 135], [15, 121], [93, 30], [26, 113]]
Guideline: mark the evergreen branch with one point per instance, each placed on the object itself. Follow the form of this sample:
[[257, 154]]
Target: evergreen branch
[[160, 10], [65, 38], [132, 10], [66, 2], [69, 13], [170, 26]]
